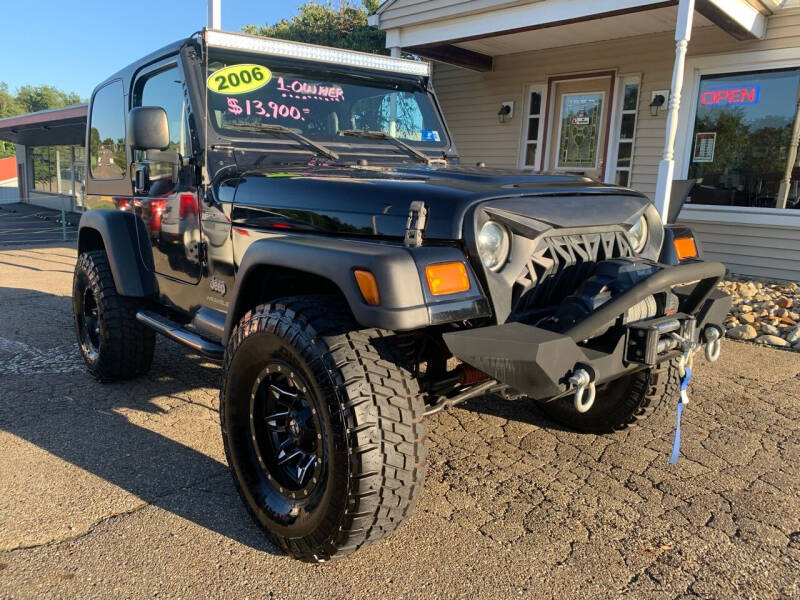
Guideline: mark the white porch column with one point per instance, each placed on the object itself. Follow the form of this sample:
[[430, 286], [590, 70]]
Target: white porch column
[[666, 168]]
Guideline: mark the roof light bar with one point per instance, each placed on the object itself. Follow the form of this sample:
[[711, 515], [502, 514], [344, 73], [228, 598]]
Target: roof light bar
[[235, 41]]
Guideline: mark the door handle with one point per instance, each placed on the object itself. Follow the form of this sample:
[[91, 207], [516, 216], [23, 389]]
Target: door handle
[[141, 180]]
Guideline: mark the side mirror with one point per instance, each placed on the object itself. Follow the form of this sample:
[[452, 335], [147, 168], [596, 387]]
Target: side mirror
[[148, 128]]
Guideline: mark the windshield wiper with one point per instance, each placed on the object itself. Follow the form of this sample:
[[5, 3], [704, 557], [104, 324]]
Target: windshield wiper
[[380, 135], [280, 129]]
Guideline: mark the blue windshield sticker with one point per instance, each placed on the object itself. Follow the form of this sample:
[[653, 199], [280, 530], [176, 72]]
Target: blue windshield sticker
[[430, 135]]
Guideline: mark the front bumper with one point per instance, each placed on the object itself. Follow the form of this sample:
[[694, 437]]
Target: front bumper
[[537, 362]]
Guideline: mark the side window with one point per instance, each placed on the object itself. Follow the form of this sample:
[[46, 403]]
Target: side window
[[164, 89], [107, 134]]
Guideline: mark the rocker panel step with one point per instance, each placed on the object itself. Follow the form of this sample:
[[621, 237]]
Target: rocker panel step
[[175, 331]]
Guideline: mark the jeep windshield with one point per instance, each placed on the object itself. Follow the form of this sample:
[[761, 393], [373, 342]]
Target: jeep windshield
[[322, 103]]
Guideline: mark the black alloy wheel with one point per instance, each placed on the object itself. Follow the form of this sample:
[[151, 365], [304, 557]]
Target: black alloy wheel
[[286, 431], [89, 324]]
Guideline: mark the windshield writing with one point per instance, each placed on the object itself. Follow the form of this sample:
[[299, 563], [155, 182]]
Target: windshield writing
[[318, 105]]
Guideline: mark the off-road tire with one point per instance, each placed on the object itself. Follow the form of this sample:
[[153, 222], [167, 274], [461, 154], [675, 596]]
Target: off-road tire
[[619, 403], [124, 347], [371, 419]]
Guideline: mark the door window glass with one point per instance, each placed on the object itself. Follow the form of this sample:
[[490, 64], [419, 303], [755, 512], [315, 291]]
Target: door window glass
[[579, 130], [164, 89], [107, 158], [741, 146]]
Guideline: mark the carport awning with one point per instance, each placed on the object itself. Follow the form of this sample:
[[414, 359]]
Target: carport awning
[[55, 127]]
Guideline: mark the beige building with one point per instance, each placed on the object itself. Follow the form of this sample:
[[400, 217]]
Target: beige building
[[633, 92]]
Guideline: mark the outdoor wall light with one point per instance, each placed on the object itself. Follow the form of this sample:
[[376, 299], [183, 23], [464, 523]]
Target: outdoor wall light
[[506, 111], [656, 104]]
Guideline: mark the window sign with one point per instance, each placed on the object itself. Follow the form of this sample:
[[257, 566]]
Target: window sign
[[704, 147], [579, 130], [731, 95]]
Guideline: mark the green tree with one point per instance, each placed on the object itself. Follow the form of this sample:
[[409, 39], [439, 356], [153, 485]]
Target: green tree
[[8, 103], [8, 108], [342, 25], [42, 97]]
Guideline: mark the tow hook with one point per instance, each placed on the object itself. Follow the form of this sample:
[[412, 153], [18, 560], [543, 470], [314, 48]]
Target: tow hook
[[582, 380], [713, 337]]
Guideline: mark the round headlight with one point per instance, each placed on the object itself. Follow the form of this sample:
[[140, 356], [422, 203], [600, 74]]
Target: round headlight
[[638, 235], [494, 244]]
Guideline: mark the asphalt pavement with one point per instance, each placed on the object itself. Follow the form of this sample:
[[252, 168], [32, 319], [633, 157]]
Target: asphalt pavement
[[121, 491], [26, 224]]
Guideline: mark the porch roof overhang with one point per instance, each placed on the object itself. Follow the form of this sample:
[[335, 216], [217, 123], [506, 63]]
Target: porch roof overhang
[[462, 33], [56, 127]]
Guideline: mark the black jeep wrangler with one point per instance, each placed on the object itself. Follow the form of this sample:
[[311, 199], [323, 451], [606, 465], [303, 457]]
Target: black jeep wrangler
[[298, 213]]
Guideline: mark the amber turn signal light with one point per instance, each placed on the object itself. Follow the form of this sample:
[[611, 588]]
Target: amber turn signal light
[[368, 286], [447, 278], [685, 248]]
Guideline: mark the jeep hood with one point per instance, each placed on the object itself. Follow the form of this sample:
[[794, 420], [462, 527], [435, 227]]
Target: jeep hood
[[373, 201]]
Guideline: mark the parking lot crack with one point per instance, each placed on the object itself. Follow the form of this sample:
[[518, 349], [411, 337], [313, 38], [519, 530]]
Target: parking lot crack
[[156, 501], [73, 538]]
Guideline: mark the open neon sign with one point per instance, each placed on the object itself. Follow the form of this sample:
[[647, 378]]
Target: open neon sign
[[731, 95]]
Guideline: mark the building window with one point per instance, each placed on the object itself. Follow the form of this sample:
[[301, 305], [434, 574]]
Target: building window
[[55, 172], [741, 145], [626, 132], [531, 158], [107, 134], [44, 169]]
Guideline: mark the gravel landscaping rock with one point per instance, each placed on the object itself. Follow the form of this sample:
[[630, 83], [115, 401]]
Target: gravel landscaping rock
[[743, 332], [771, 340], [770, 330], [764, 312]]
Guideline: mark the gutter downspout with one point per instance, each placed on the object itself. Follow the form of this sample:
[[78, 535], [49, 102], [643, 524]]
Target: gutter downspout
[[666, 168]]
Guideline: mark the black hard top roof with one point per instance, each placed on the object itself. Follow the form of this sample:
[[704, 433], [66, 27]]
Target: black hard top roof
[[126, 73]]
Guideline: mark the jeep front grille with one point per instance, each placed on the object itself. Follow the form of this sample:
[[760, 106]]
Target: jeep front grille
[[560, 264]]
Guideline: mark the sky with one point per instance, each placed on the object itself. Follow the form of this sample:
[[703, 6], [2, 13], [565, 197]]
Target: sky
[[75, 44]]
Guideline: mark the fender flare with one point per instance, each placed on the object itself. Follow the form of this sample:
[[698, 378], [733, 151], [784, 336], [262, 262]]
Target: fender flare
[[399, 272], [133, 276]]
